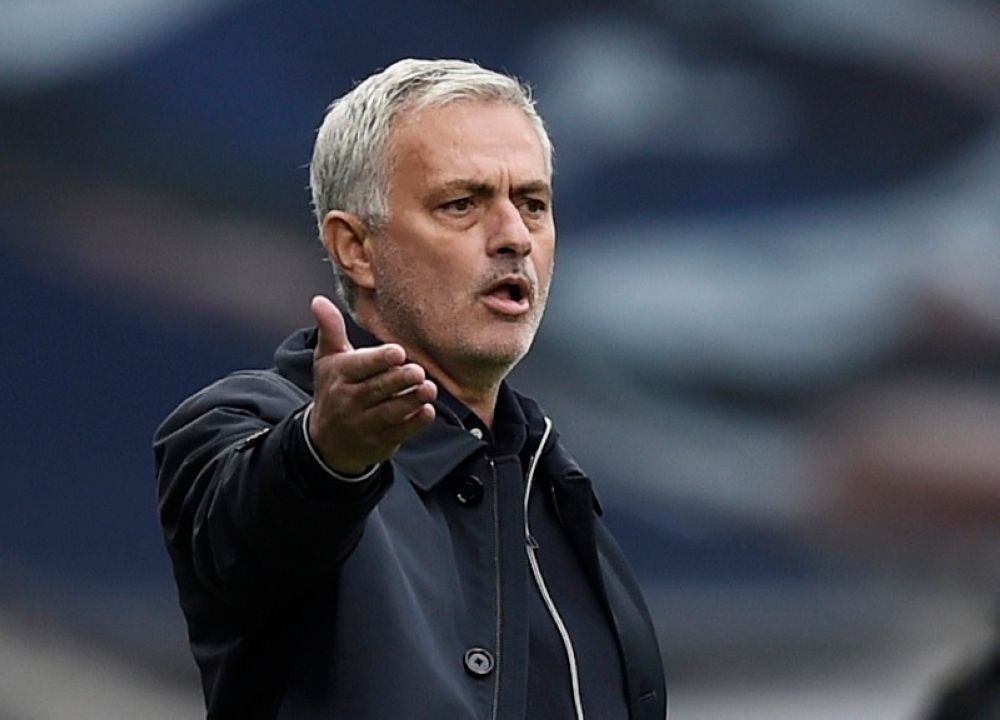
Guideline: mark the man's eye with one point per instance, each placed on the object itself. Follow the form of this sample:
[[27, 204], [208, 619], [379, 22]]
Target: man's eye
[[460, 205], [535, 206]]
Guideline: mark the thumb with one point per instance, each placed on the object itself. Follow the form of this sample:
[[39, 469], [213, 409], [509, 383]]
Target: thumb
[[332, 329]]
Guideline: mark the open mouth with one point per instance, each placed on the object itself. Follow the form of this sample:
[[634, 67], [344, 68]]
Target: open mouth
[[510, 294], [513, 291]]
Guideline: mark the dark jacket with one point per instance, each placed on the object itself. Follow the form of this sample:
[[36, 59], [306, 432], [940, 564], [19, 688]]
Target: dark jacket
[[401, 596], [974, 694]]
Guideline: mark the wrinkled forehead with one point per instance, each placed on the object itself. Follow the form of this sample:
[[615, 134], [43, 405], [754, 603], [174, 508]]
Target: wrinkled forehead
[[424, 111]]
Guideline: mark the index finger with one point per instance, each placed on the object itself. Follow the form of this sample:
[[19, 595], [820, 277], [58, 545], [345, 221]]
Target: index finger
[[358, 365]]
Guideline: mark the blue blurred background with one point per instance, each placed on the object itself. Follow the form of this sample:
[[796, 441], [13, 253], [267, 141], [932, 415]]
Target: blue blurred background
[[774, 337]]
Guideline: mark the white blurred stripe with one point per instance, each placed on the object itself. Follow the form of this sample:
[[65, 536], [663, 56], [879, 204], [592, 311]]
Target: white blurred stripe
[[46, 674], [45, 41]]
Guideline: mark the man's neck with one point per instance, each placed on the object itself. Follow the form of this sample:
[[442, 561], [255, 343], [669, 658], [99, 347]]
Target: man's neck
[[483, 403], [476, 387]]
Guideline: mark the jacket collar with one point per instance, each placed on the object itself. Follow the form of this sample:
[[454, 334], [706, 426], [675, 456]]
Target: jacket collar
[[436, 451]]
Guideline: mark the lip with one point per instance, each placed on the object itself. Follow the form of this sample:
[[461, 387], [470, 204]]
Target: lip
[[499, 298]]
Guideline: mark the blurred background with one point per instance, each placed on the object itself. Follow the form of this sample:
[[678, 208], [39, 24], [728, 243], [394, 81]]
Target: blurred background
[[773, 340]]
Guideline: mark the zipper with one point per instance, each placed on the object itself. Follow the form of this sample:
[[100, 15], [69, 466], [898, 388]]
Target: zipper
[[531, 547], [498, 578]]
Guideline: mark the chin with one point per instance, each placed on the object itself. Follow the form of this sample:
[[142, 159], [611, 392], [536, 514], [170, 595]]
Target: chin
[[497, 345], [506, 354]]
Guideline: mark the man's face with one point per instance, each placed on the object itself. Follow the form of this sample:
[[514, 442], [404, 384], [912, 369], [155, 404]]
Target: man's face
[[463, 267]]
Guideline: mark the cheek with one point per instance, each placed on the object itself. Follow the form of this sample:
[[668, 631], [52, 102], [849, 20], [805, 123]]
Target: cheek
[[545, 262], [432, 281]]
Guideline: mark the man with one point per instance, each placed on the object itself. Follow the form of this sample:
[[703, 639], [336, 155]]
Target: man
[[973, 693], [379, 526]]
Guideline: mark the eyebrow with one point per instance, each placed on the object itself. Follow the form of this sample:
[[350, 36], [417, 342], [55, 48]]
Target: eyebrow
[[482, 189], [534, 188]]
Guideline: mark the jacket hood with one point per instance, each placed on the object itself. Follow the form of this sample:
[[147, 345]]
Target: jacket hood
[[293, 360]]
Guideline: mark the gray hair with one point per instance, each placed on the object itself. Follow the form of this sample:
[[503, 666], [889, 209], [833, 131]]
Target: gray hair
[[351, 164]]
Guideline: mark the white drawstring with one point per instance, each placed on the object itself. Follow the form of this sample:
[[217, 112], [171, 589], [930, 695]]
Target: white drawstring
[[531, 546]]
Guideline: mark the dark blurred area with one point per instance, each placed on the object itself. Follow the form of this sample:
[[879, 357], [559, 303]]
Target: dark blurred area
[[773, 340]]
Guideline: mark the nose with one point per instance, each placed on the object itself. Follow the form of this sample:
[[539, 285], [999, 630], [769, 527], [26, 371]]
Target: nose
[[508, 233]]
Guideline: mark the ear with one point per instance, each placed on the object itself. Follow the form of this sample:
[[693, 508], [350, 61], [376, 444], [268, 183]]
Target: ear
[[348, 243]]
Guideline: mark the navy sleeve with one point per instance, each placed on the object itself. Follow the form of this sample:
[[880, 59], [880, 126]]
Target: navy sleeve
[[248, 514]]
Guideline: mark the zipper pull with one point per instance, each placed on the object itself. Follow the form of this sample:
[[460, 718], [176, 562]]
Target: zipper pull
[[530, 539]]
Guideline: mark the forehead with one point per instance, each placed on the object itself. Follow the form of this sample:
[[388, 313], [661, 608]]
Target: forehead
[[467, 137]]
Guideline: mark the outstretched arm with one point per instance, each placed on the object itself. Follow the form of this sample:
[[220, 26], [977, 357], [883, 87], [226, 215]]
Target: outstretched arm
[[248, 506]]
